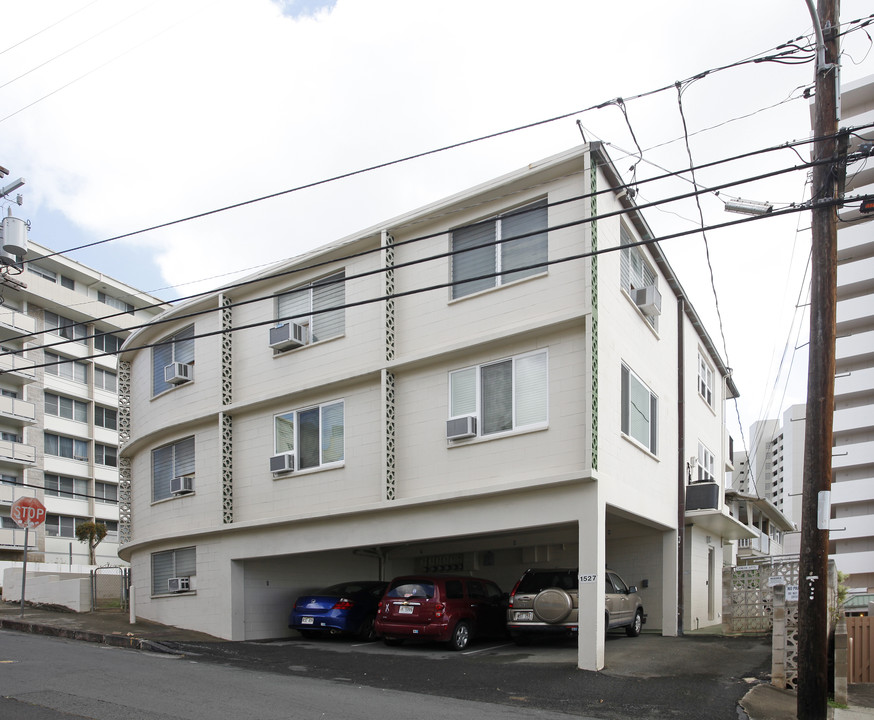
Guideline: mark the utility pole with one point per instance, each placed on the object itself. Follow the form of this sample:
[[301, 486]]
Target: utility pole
[[813, 616]]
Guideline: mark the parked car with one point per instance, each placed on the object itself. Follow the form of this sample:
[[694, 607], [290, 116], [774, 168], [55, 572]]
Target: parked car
[[546, 602], [348, 608], [441, 608]]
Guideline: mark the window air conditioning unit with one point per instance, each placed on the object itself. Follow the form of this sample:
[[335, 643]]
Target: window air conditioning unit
[[182, 485], [177, 373], [460, 428], [179, 584], [649, 300], [288, 335], [282, 463]]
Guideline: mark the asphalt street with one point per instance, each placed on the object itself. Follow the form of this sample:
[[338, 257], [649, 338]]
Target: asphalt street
[[646, 677]]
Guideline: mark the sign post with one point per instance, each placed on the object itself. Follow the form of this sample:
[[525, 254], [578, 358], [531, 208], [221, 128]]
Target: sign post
[[28, 513]]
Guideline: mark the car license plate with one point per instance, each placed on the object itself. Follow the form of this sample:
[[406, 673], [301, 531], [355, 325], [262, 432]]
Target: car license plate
[[306, 621], [521, 616], [405, 609]]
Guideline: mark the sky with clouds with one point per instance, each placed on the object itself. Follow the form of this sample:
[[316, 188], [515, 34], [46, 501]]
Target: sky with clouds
[[127, 114]]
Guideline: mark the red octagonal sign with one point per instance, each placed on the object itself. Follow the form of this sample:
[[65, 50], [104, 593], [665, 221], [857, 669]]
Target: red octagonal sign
[[28, 512]]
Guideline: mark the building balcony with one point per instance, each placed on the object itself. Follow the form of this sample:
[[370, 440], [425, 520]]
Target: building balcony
[[18, 411], [15, 324], [17, 370], [14, 453], [13, 539], [759, 545]]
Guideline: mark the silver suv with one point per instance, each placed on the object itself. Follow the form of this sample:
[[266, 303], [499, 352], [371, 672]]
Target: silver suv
[[546, 602]]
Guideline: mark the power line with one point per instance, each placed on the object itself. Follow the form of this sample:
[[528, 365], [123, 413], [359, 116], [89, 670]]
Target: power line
[[778, 53], [416, 291], [316, 265], [429, 258]]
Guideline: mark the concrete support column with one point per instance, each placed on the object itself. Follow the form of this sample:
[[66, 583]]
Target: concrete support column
[[592, 564], [670, 565]]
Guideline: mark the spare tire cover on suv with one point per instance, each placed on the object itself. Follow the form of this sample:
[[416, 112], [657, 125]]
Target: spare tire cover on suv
[[553, 605]]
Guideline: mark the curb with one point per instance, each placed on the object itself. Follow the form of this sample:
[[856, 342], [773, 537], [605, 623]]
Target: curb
[[125, 641]]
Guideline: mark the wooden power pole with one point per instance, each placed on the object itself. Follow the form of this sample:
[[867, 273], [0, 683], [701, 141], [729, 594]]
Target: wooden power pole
[[813, 612]]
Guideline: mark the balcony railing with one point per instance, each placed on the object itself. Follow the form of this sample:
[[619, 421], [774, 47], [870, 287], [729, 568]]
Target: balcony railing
[[14, 323], [14, 538], [16, 452], [17, 409], [19, 365], [760, 544]]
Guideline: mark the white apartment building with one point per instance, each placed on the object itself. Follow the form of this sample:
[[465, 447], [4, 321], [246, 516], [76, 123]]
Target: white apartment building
[[61, 324], [852, 493], [416, 395], [772, 471]]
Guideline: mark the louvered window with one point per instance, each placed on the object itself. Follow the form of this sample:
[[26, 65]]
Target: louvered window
[[171, 461], [318, 306], [172, 564], [176, 348], [500, 250]]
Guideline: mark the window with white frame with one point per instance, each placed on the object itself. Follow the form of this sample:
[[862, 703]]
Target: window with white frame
[[505, 395], [51, 276], [639, 411], [115, 302], [107, 343], [111, 529], [66, 447], [62, 525], [635, 273], [172, 564], [503, 249], [106, 417], [168, 462], [178, 348], [62, 367], [105, 455], [106, 493], [316, 435], [65, 407], [318, 307], [6, 479], [64, 327], [66, 487], [705, 380], [705, 463], [105, 380]]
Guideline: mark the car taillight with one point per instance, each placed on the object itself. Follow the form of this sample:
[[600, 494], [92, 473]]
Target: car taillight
[[343, 604], [510, 600], [513, 593], [438, 609]]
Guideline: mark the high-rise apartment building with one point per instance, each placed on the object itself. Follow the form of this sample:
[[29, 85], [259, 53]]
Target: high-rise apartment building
[[852, 493], [61, 324]]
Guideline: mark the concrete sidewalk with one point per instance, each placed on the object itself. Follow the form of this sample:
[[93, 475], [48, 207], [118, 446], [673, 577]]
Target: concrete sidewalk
[[107, 627], [762, 702]]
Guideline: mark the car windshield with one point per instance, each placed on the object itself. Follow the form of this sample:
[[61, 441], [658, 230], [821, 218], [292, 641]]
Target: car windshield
[[411, 588], [537, 580]]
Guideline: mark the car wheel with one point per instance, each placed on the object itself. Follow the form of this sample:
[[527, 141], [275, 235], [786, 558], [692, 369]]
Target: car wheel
[[392, 642], [633, 630], [460, 636], [366, 633]]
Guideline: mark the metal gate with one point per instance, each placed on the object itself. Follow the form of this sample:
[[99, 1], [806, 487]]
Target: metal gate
[[110, 588]]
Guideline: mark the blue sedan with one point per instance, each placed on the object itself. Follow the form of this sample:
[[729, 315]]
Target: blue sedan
[[346, 608]]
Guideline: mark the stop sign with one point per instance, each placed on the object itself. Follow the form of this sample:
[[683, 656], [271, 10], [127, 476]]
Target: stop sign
[[28, 512]]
